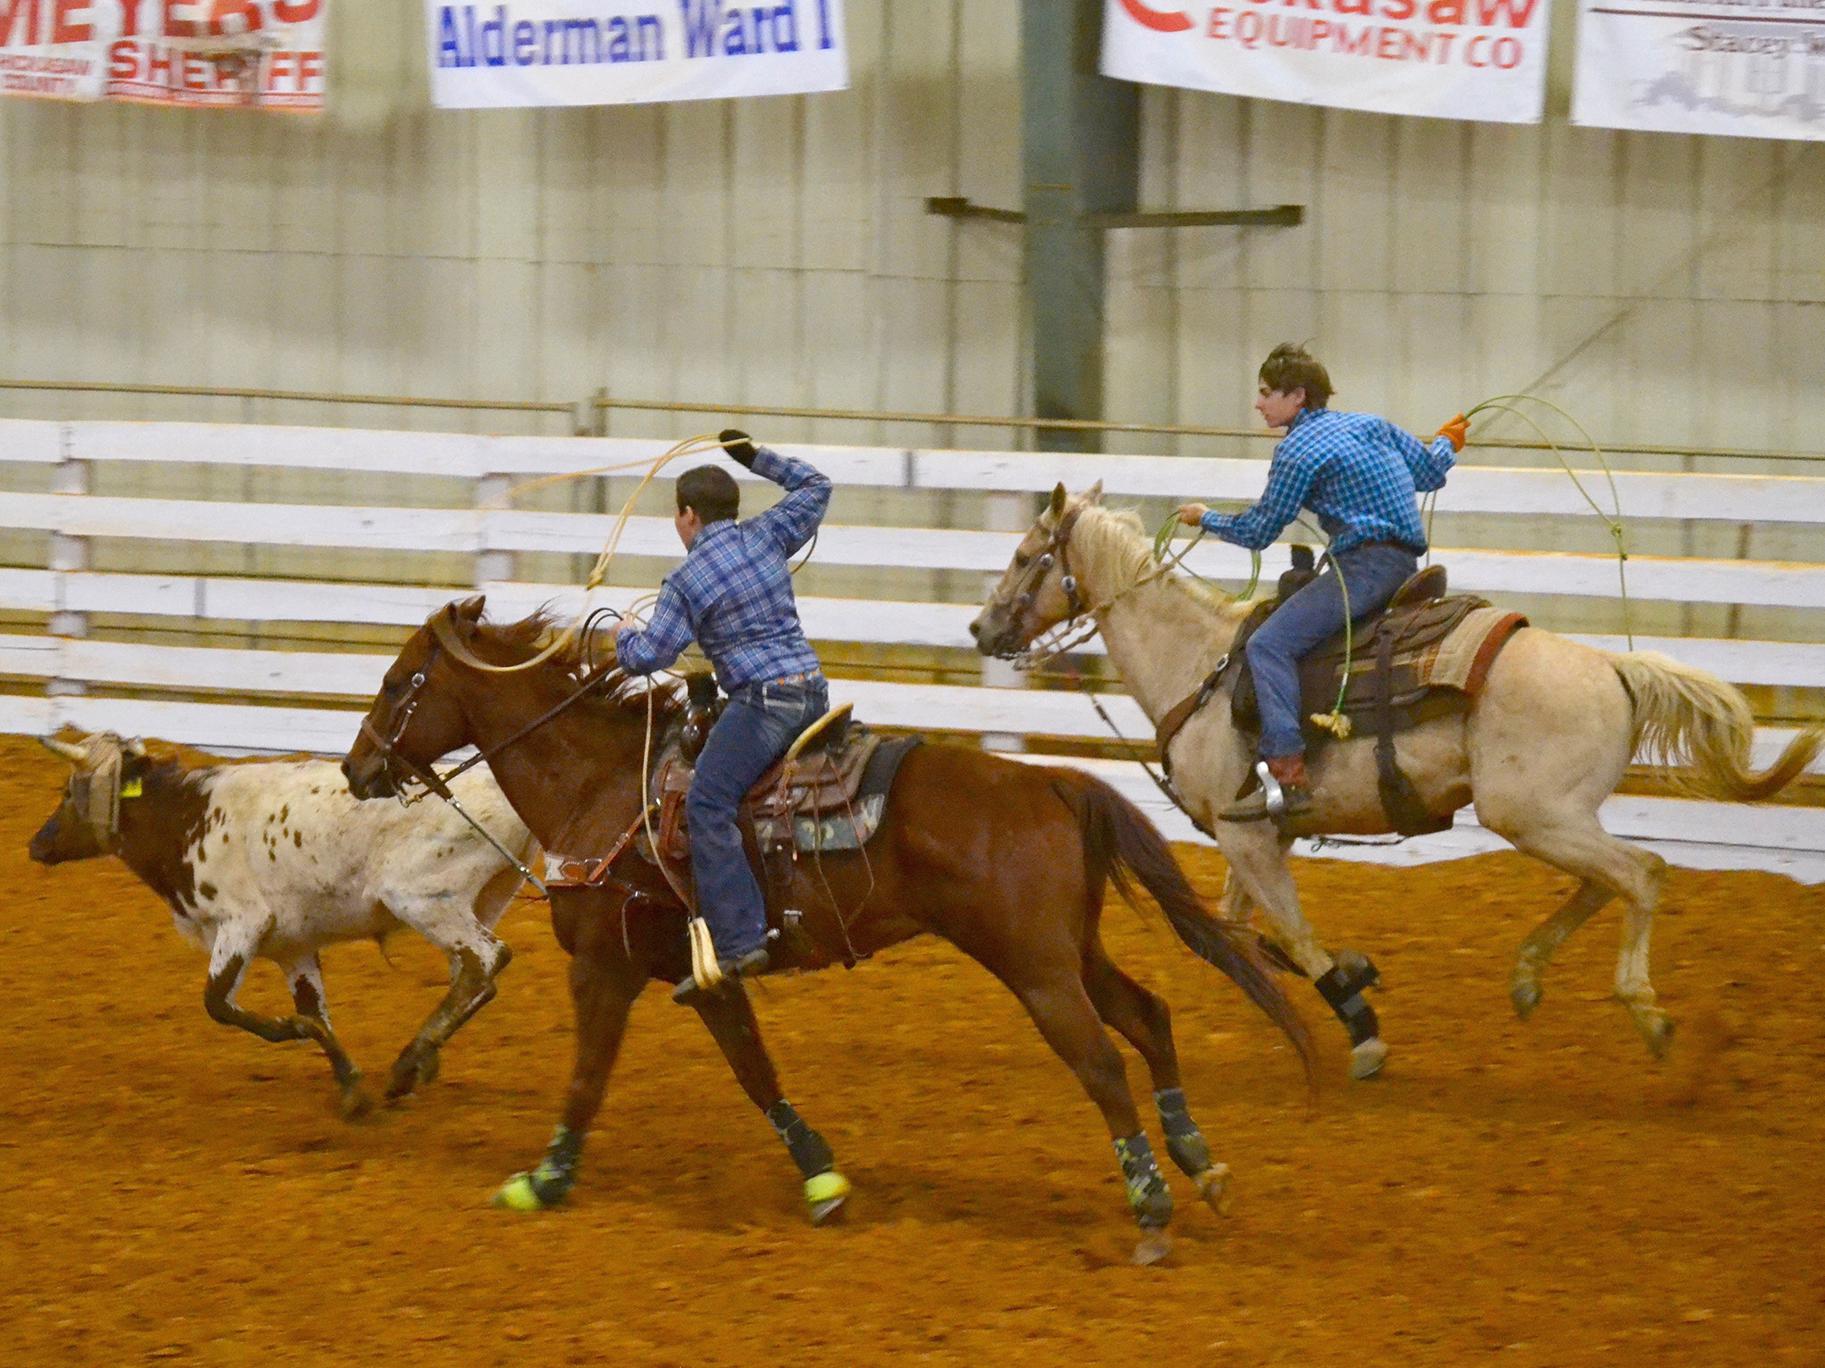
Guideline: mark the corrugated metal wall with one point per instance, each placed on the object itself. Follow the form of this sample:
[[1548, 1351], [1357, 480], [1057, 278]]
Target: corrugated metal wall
[[1664, 287]]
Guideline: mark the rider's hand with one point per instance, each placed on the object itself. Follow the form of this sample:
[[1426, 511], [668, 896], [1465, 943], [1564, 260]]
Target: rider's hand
[[739, 446], [1457, 430], [623, 627], [1191, 514]]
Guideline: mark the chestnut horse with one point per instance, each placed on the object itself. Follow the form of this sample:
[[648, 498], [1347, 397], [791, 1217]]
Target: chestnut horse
[[1005, 860]]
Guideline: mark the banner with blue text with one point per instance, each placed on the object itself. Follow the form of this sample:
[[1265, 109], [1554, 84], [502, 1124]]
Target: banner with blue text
[[590, 52], [1448, 59], [1753, 68]]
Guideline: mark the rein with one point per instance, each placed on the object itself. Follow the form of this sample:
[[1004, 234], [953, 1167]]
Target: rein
[[1083, 624], [439, 784]]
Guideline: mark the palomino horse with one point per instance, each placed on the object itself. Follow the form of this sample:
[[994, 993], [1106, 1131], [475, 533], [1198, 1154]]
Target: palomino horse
[[1540, 748], [1007, 861]]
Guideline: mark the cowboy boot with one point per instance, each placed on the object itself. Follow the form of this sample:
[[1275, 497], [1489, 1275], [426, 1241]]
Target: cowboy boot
[[1284, 793]]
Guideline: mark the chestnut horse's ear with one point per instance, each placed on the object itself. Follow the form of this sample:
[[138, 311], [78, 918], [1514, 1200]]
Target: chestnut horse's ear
[[1058, 499], [468, 610]]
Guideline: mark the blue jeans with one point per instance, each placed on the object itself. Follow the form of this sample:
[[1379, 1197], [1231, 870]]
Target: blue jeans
[[1371, 573], [760, 722]]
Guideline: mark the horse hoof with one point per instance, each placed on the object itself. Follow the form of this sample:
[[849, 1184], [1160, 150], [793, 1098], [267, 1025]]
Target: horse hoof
[[1213, 1187], [1525, 995], [518, 1194], [1367, 1058], [826, 1196], [1155, 1245]]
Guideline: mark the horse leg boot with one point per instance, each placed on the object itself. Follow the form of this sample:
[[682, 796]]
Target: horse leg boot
[[729, 1015], [1145, 1021], [1063, 1012], [604, 982], [306, 978], [1259, 862]]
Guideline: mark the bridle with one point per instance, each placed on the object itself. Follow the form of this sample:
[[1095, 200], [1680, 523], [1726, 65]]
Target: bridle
[[1067, 632], [395, 762], [388, 745]]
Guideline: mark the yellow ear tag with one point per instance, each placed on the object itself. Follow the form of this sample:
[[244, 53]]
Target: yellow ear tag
[[132, 788]]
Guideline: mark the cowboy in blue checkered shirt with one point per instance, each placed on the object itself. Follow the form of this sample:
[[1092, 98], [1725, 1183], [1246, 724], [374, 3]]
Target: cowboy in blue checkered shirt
[[1362, 476], [733, 595]]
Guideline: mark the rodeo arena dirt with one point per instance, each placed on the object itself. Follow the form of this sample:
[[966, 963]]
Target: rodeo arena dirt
[[180, 1192], [715, 684]]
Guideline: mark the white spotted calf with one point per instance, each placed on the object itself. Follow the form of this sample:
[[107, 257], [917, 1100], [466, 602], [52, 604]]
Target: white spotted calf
[[275, 859]]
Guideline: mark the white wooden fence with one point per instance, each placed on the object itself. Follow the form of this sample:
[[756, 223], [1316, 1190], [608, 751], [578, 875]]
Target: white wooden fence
[[72, 667]]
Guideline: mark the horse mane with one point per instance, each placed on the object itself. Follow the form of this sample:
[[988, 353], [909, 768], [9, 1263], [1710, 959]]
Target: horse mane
[[619, 691], [1116, 540]]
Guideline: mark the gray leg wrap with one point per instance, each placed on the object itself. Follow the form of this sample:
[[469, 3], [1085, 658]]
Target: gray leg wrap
[[1184, 1141], [1148, 1194], [808, 1149]]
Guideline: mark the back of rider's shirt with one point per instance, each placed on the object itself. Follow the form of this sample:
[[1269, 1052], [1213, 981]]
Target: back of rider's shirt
[[733, 593], [1359, 473]]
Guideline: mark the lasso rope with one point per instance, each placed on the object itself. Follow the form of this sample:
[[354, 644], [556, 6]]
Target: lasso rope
[[690, 446], [1503, 403]]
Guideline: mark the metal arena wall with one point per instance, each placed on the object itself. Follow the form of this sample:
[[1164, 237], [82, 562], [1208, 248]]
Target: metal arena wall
[[1662, 287]]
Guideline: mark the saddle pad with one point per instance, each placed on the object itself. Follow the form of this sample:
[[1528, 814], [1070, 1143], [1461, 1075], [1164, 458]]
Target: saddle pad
[[1441, 656], [846, 825], [834, 802]]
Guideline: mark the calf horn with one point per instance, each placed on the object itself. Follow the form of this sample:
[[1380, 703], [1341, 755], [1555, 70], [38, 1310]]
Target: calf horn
[[69, 750]]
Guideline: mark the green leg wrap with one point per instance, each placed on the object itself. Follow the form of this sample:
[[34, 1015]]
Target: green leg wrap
[[1148, 1194]]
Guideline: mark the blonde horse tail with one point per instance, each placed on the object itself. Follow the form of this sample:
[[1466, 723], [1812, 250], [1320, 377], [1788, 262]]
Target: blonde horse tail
[[1688, 718]]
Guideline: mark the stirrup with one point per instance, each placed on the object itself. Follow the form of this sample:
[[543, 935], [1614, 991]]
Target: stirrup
[[750, 965], [1272, 800]]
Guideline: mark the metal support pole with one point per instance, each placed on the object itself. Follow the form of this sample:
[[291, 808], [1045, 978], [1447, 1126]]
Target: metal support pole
[[1080, 155]]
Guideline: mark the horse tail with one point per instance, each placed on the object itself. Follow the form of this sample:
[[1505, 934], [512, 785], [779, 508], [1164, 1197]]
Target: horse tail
[[1122, 845], [1687, 717]]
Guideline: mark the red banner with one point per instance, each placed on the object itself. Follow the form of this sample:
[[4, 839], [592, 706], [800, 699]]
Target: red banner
[[262, 54]]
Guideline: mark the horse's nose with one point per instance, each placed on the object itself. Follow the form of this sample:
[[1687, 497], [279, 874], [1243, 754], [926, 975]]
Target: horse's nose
[[346, 774], [976, 627]]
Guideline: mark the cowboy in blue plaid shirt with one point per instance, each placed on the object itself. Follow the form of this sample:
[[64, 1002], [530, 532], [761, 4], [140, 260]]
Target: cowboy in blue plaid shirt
[[1362, 476], [733, 595]]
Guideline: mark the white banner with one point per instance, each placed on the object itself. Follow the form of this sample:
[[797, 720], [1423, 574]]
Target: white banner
[[264, 54], [1754, 68], [589, 52], [1449, 59]]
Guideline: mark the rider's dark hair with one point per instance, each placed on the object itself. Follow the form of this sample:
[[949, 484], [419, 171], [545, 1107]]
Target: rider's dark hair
[[1290, 366], [710, 490]]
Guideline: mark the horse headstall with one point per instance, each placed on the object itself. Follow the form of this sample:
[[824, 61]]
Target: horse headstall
[[1069, 631], [402, 771]]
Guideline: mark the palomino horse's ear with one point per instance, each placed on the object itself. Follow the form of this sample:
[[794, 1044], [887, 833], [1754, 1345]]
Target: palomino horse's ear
[[1094, 494], [1058, 499]]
